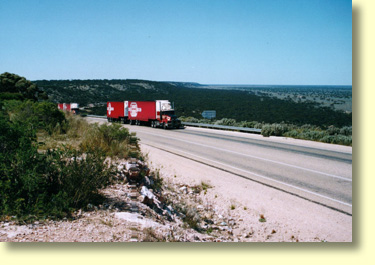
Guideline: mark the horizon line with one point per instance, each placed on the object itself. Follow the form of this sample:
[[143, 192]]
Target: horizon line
[[192, 82]]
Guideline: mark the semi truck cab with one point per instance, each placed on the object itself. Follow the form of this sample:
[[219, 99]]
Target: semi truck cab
[[166, 116]]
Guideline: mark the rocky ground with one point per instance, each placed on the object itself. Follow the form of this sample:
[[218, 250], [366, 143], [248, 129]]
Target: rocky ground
[[179, 212]]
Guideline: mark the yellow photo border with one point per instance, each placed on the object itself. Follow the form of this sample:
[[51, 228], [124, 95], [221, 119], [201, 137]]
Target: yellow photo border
[[360, 251]]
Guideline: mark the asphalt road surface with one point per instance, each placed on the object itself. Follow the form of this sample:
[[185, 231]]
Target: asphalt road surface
[[317, 172]]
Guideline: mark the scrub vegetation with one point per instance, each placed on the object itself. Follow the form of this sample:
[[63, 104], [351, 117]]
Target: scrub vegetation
[[52, 164], [328, 134]]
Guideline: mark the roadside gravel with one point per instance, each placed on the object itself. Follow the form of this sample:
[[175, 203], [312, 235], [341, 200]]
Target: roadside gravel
[[288, 218]]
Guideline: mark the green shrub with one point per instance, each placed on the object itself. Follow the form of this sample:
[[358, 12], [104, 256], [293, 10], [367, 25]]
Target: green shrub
[[75, 126], [248, 124], [78, 175], [35, 185], [112, 140], [11, 96], [332, 130], [346, 130], [52, 184], [274, 129], [337, 139], [226, 122], [312, 135], [38, 115], [15, 84], [189, 119]]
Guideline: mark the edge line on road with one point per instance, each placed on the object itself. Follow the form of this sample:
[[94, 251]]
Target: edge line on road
[[259, 158], [257, 181]]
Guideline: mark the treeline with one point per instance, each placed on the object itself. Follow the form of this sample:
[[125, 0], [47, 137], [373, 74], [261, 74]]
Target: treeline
[[242, 106], [191, 101]]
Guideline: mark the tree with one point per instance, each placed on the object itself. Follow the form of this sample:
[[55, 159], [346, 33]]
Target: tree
[[20, 86]]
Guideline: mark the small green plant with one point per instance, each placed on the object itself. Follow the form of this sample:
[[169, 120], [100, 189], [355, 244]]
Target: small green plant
[[205, 186], [192, 218], [262, 219], [202, 187], [190, 215], [157, 181], [232, 207]]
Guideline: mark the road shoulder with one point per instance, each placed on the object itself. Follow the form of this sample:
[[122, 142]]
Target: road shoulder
[[288, 218]]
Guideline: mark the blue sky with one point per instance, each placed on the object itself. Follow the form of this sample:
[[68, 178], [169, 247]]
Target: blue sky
[[207, 41]]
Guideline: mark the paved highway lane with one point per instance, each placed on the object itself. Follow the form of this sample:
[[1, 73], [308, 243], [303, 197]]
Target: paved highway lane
[[321, 173]]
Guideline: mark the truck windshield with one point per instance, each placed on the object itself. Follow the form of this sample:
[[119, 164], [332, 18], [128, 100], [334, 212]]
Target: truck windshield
[[169, 113]]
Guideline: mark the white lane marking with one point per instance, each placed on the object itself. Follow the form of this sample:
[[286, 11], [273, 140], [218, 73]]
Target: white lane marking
[[256, 157], [261, 176]]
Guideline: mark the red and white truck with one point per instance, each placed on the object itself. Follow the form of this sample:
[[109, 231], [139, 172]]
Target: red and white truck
[[71, 107], [156, 113]]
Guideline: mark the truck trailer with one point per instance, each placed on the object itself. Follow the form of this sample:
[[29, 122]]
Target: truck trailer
[[156, 113], [70, 107]]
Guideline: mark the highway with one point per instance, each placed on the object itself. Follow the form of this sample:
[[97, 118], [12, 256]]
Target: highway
[[317, 172]]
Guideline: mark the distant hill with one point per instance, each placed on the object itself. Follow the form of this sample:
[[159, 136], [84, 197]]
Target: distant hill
[[191, 99]]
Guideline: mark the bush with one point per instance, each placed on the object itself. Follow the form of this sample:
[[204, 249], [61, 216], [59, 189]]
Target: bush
[[75, 126], [36, 185], [337, 139], [11, 96], [226, 122], [313, 135], [347, 131], [274, 129], [38, 115], [189, 119], [332, 130], [52, 184], [248, 124], [78, 175], [113, 140], [12, 83]]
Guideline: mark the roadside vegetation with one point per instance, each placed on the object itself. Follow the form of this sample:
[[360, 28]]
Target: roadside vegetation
[[52, 164], [328, 134]]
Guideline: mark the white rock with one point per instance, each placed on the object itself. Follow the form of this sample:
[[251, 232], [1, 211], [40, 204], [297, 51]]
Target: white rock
[[147, 193], [136, 219], [183, 189]]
